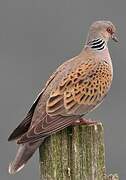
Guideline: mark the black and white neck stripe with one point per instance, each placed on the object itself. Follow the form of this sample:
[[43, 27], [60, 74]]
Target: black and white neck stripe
[[98, 44]]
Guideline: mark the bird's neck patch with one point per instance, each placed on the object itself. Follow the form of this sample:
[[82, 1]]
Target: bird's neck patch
[[97, 44]]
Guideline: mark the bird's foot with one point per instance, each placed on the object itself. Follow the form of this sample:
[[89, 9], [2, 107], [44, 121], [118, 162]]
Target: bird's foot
[[83, 121]]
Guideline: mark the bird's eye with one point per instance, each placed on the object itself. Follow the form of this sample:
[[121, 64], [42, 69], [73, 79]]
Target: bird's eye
[[109, 30]]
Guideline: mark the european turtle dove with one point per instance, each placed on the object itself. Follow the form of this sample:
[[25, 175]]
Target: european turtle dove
[[77, 87]]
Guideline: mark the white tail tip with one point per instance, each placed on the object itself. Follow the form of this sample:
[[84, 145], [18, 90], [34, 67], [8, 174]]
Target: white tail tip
[[12, 170]]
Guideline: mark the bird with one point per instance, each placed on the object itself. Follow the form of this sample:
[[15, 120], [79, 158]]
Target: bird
[[77, 87]]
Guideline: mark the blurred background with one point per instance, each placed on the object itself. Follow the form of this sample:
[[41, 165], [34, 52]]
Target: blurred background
[[36, 36]]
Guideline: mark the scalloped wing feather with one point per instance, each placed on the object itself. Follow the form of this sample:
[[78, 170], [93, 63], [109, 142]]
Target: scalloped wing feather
[[86, 86]]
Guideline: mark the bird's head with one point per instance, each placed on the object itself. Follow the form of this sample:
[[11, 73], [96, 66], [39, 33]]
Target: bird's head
[[103, 29]]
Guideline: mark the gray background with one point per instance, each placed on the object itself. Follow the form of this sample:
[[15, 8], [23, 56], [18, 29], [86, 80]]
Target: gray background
[[35, 37]]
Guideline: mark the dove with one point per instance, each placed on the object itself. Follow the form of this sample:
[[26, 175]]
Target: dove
[[77, 87]]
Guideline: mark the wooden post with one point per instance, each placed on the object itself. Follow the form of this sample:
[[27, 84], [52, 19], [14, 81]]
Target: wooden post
[[75, 153]]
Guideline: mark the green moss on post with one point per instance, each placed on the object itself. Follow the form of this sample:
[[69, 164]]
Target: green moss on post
[[75, 153]]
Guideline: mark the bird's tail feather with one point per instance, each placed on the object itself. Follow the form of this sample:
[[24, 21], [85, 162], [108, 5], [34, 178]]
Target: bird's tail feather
[[24, 153]]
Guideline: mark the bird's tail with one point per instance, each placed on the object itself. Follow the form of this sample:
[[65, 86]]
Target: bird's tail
[[24, 153]]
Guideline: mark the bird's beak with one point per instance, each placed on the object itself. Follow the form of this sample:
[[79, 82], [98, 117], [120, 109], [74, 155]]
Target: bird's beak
[[114, 37]]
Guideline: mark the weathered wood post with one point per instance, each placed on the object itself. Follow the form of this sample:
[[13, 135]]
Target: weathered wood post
[[76, 153]]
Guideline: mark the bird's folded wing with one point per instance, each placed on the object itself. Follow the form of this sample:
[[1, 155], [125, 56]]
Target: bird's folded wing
[[82, 87], [75, 90]]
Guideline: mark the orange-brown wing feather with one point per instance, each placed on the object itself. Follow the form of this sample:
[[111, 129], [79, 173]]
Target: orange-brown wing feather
[[86, 86]]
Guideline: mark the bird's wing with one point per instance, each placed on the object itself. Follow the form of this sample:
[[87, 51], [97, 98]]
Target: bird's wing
[[85, 86], [25, 124], [82, 88]]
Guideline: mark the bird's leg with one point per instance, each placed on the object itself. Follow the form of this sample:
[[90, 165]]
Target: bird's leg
[[83, 121]]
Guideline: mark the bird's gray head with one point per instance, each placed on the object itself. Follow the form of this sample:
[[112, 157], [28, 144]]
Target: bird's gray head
[[100, 32]]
